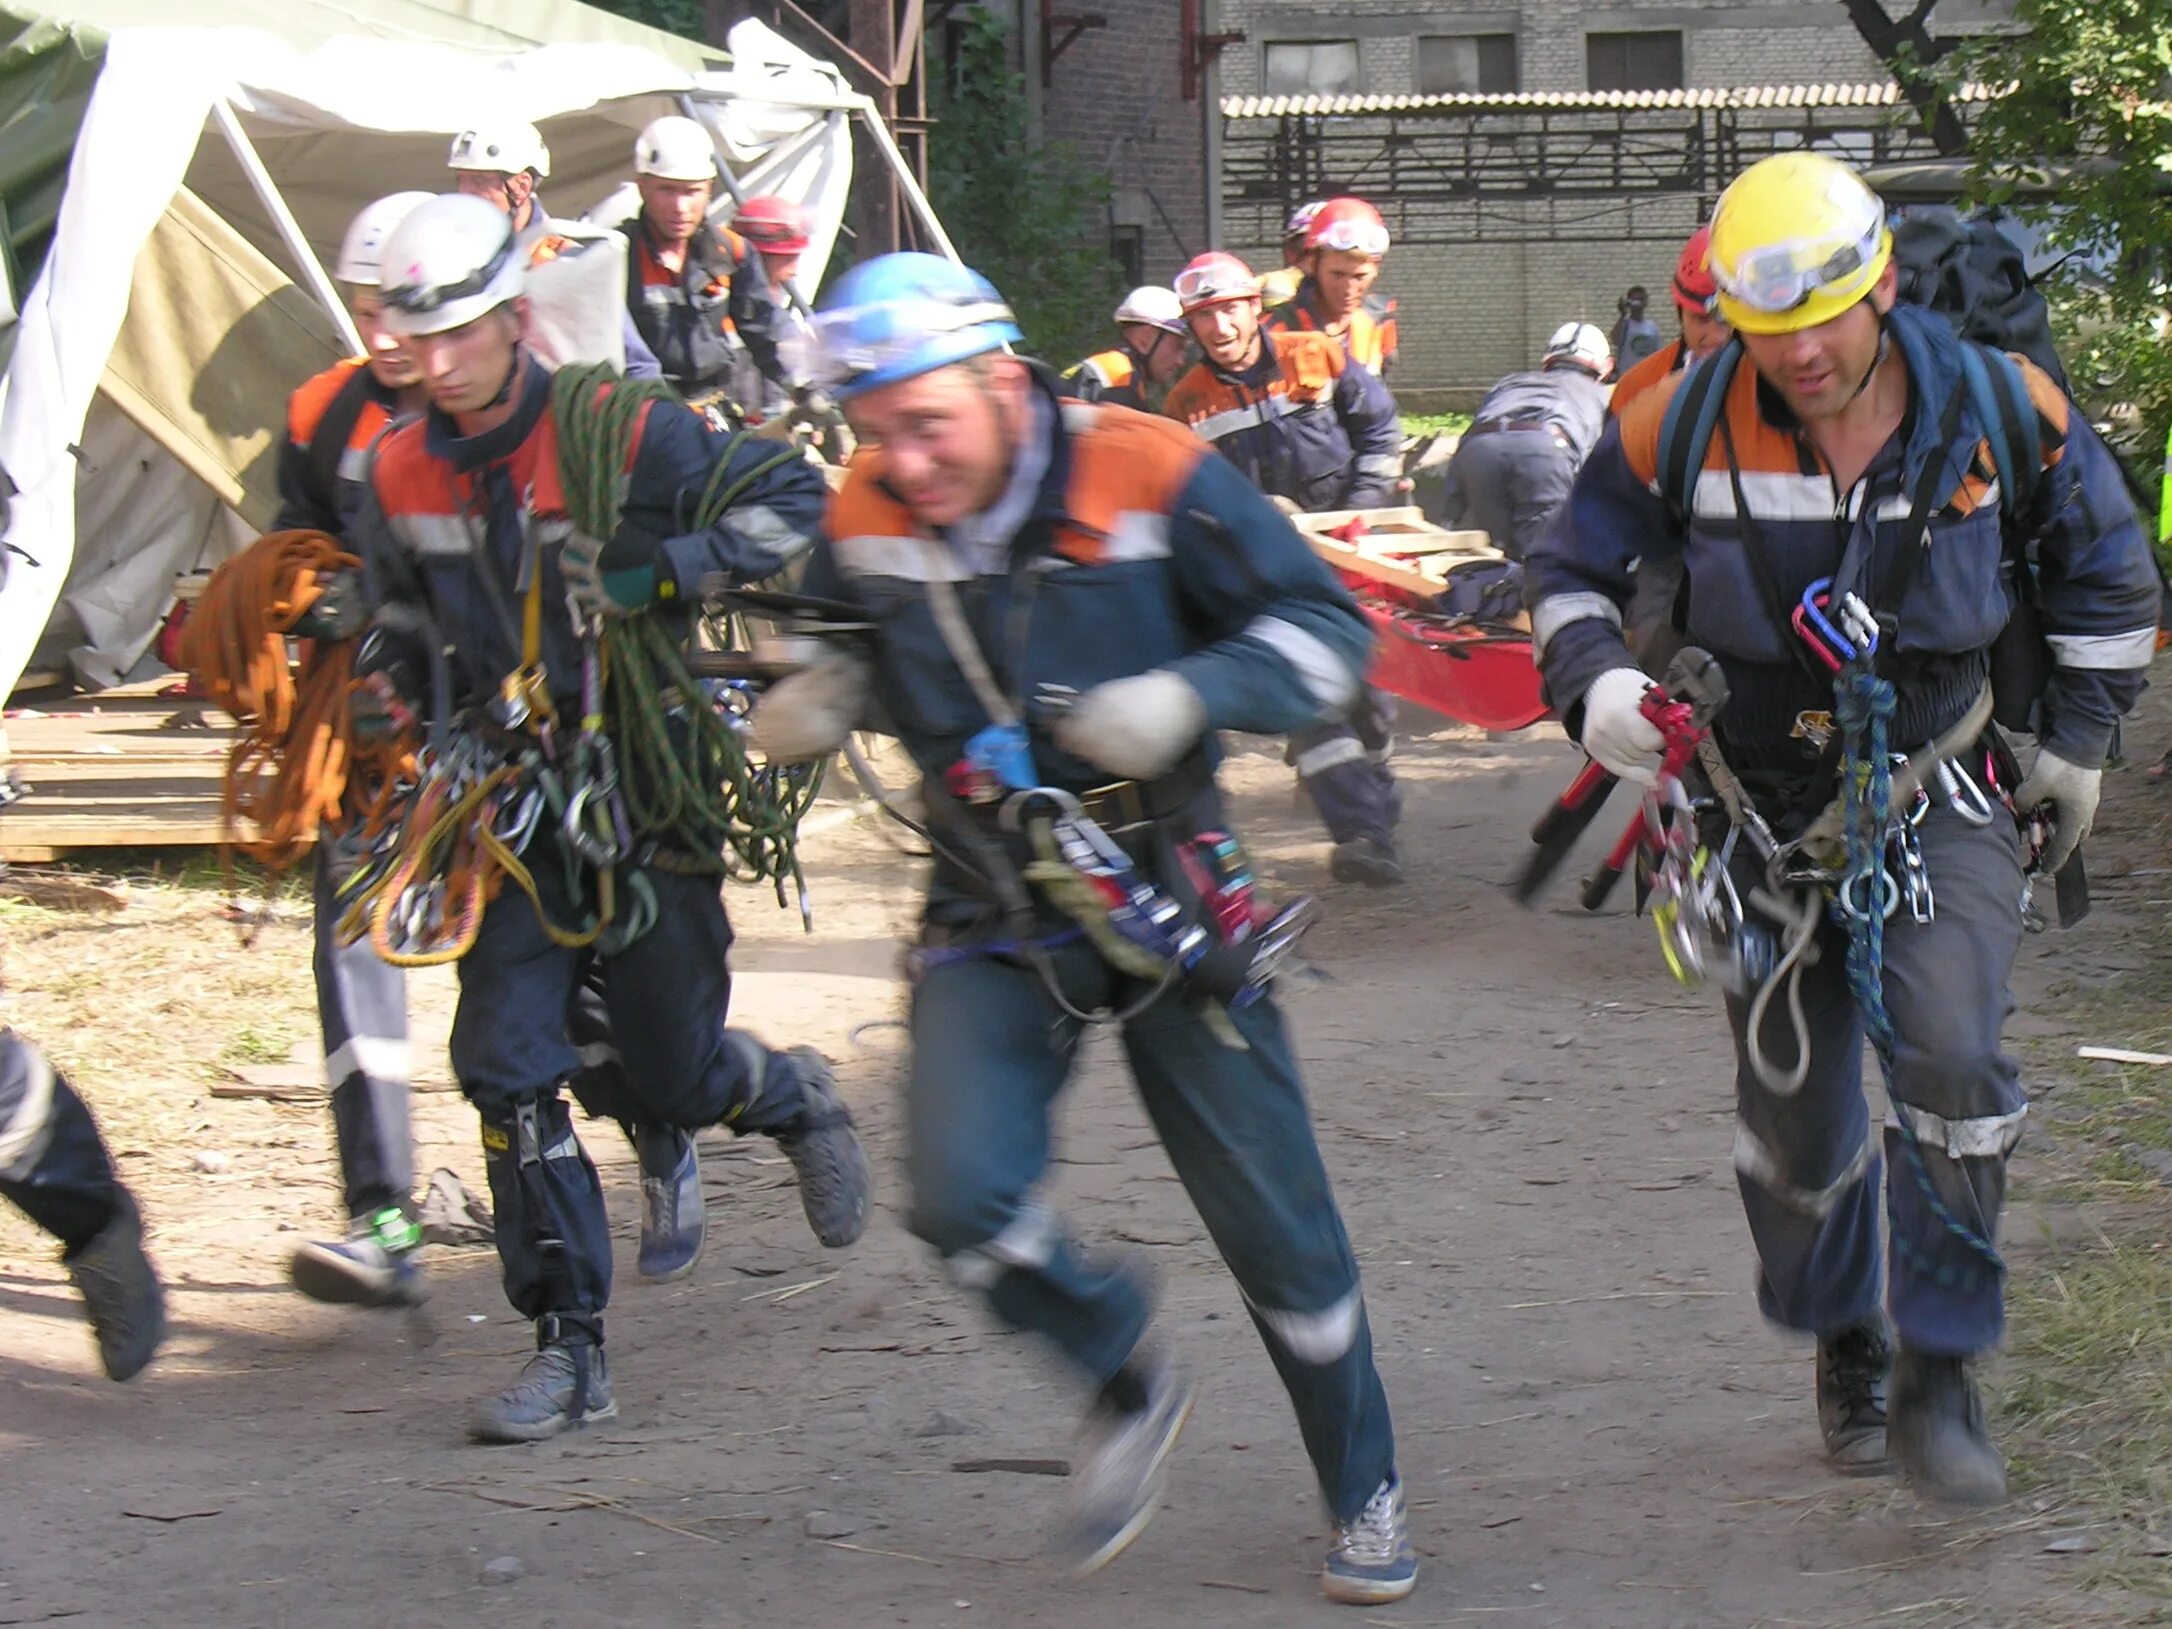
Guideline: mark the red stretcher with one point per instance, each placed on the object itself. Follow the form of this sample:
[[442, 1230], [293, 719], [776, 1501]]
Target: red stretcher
[[1396, 562]]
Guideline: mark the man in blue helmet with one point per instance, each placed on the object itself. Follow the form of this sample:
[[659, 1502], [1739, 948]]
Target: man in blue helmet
[[1070, 600]]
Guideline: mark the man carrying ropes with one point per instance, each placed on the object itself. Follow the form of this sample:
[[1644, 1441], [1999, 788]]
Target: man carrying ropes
[[502, 162], [54, 1168], [1073, 600], [1290, 410], [1848, 486], [1150, 352], [1512, 468], [1345, 243], [476, 497]]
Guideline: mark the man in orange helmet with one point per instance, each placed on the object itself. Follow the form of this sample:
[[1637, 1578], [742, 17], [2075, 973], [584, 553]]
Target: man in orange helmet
[[1704, 330], [776, 234], [1345, 242]]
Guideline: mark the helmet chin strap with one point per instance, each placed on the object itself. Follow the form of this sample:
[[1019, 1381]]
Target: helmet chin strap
[[1885, 349], [512, 377]]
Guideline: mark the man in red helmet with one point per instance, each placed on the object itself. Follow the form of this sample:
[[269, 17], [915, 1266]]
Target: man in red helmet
[[775, 232], [1704, 330], [1345, 242]]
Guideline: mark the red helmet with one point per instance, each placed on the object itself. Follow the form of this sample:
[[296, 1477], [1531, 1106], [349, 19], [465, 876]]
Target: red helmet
[[1213, 279], [1694, 287], [774, 224], [1348, 223]]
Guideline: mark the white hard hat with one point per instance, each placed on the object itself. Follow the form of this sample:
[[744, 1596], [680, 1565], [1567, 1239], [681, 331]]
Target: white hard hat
[[361, 251], [675, 149], [1580, 345], [449, 262], [502, 146], [1154, 305]]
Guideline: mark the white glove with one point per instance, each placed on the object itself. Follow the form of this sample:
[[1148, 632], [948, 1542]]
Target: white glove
[[2072, 792], [808, 714], [1616, 732], [1137, 727]]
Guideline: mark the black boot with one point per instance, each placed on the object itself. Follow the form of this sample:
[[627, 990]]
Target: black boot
[[1851, 1397], [1938, 1431], [120, 1291]]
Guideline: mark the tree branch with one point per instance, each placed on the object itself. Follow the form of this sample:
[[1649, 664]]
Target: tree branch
[[1906, 47]]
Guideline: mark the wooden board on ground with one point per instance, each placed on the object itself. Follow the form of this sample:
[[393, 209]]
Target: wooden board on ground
[[125, 768], [1400, 548]]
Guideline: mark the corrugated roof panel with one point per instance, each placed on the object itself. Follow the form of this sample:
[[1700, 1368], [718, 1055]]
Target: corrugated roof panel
[[1750, 96]]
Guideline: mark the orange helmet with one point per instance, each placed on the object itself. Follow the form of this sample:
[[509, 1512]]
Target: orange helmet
[[1215, 278], [1694, 287], [771, 223], [1348, 223]]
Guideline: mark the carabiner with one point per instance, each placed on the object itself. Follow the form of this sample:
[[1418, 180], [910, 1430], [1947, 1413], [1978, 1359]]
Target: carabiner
[[1956, 781]]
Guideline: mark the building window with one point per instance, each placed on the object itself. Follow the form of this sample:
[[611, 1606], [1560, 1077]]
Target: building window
[[1647, 60], [1127, 247], [1466, 63], [1312, 68]]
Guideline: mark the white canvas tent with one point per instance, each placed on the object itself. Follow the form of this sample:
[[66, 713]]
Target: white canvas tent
[[216, 164]]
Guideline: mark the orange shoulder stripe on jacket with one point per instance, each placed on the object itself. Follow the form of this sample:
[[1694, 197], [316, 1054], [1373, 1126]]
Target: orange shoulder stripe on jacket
[[1642, 377], [306, 407], [1124, 460]]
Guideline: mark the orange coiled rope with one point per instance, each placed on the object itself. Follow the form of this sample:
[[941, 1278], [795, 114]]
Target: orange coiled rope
[[288, 771]]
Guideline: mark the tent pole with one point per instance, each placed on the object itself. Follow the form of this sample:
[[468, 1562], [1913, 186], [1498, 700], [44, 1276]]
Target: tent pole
[[267, 192], [909, 182], [739, 198]]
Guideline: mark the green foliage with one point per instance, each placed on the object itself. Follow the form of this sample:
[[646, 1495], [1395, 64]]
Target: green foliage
[[2091, 89], [687, 17], [1028, 215]]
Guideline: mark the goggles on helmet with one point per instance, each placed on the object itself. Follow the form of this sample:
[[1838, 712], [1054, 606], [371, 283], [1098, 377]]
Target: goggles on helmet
[[853, 341], [1353, 237], [1781, 276], [1209, 285], [419, 299]]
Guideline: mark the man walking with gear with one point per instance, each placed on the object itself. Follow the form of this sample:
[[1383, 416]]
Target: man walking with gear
[[475, 498], [1316, 430], [1072, 600], [1849, 488], [1530, 436]]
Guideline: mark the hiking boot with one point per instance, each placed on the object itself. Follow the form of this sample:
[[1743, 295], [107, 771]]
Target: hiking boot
[[566, 1384], [1371, 1559], [674, 1219], [834, 1181], [373, 1266], [1938, 1432], [1367, 860], [120, 1291], [1851, 1398], [1117, 1479]]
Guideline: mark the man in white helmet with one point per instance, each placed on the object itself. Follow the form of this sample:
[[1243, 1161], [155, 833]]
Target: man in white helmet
[[679, 268], [502, 162], [1532, 433], [473, 498], [1154, 345]]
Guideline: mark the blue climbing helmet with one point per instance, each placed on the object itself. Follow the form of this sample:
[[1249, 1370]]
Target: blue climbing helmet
[[898, 316]]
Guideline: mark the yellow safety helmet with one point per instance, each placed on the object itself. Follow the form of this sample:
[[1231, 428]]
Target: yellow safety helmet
[[1797, 239]]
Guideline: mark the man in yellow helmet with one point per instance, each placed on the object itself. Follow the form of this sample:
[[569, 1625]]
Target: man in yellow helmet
[[1848, 508]]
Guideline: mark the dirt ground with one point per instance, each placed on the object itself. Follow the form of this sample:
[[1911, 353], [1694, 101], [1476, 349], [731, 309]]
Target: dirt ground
[[1529, 1126]]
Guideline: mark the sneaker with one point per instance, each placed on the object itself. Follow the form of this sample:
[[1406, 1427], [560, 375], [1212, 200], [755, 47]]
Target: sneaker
[[834, 1181], [566, 1384], [121, 1292], [1851, 1398], [1371, 1560], [1367, 860], [1938, 1432], [674, 1218], [373, 1266], [1117, 1480]]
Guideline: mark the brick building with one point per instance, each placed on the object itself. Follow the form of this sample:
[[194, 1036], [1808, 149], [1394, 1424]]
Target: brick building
[[1461, 86]]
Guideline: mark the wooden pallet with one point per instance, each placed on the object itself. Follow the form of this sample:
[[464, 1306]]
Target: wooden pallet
[[126, 768]]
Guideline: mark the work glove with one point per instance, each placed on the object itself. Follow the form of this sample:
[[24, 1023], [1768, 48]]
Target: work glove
[[2072, 793], [1135, 728], [1616, 732], [340, 611], [610, 579], [808, 714]]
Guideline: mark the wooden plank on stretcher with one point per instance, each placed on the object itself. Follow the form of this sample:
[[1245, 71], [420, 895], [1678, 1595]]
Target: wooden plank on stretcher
[[1401, 548]]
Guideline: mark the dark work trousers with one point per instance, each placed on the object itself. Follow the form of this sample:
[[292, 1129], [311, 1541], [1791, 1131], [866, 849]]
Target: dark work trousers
[[664, 998], [1807, 1164], [53, 1163], [362, 1012], [1507, 484], [1344, 766], [990, 1052]]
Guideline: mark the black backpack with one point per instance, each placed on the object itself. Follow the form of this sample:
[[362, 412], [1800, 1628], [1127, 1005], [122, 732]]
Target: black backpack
[[1973, 275]]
